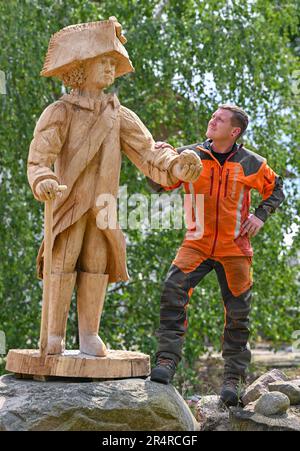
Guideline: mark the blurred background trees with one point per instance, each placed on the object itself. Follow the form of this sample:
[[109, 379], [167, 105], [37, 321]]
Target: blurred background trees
[[189, 56]]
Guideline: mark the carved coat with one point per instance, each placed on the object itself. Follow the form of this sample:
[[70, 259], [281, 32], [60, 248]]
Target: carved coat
[[84, 139]]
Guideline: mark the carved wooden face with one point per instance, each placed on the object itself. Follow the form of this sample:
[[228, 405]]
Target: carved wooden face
[[100, 72]]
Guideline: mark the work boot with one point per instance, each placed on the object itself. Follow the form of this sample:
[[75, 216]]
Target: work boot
[[164, 370], [231, 390], [61, 289], [90, 299]]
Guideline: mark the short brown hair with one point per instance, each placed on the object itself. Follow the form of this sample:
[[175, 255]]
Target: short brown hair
[[75, 76], [239, 117]]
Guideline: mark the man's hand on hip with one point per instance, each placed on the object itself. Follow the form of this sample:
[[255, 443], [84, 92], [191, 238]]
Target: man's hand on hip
[[188, 167], [252, 225]]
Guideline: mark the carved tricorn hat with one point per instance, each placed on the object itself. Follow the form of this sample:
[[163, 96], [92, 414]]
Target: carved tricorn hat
[[80, 42]]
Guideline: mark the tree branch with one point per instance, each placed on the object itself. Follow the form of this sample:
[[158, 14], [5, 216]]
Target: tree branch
[[159, 9]]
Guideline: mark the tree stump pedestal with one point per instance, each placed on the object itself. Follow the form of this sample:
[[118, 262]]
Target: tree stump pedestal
[[116, 365]]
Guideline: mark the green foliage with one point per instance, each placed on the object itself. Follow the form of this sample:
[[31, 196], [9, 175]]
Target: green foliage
[[189, 57]]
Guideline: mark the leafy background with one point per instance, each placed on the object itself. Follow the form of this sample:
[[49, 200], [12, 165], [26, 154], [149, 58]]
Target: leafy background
[[189, 57]]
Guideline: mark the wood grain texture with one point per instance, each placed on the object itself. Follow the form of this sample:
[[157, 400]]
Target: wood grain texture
[[117, 364], [78, 143]]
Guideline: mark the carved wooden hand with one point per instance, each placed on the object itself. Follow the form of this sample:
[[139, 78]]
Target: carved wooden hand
[[188, 167], [48, 189]]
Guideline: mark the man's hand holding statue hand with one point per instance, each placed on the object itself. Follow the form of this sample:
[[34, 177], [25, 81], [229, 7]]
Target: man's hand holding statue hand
[[188, 167]]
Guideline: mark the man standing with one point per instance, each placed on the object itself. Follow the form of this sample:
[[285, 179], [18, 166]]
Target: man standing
[[229, 173]]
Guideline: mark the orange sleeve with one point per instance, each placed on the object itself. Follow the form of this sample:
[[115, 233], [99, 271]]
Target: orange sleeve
[[270, 186], [170, 188]]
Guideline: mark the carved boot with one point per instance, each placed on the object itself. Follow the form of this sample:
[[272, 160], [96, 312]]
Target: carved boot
[[90, 299], [62, 285]]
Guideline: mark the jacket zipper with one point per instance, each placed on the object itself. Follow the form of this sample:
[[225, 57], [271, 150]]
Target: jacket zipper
[[211, 180], [226, 182], [219, 189], [218, 198], [217, 212], [192, 193]]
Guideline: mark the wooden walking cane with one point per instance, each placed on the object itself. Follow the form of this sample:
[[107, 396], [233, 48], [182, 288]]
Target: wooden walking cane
[[48, 226]]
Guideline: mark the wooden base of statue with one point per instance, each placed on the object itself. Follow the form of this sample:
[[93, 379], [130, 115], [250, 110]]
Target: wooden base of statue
[[116, 365]]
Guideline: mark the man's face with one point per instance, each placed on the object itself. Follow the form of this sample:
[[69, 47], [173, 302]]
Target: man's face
[[101, 72], [220, 126]]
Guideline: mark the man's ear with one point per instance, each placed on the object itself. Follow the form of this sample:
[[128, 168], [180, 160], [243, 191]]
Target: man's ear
[[235, 132]]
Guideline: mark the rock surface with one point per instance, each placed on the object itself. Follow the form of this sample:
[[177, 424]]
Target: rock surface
[[275, 403], [210, 416], [250, 418], [291, 390], [116, 405], [243, 420], [260, 386]]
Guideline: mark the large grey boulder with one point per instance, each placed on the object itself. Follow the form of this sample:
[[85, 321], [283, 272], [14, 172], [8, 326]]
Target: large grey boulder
[[116, 405]]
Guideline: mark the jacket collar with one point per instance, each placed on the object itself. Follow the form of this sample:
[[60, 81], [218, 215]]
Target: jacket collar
[[206, 147], [208, 142], [89, 103]]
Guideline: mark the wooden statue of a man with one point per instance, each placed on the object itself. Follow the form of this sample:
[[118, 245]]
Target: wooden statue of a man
[[83, 135]]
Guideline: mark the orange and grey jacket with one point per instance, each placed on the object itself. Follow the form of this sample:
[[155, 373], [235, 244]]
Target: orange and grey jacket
[[227, 198]]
